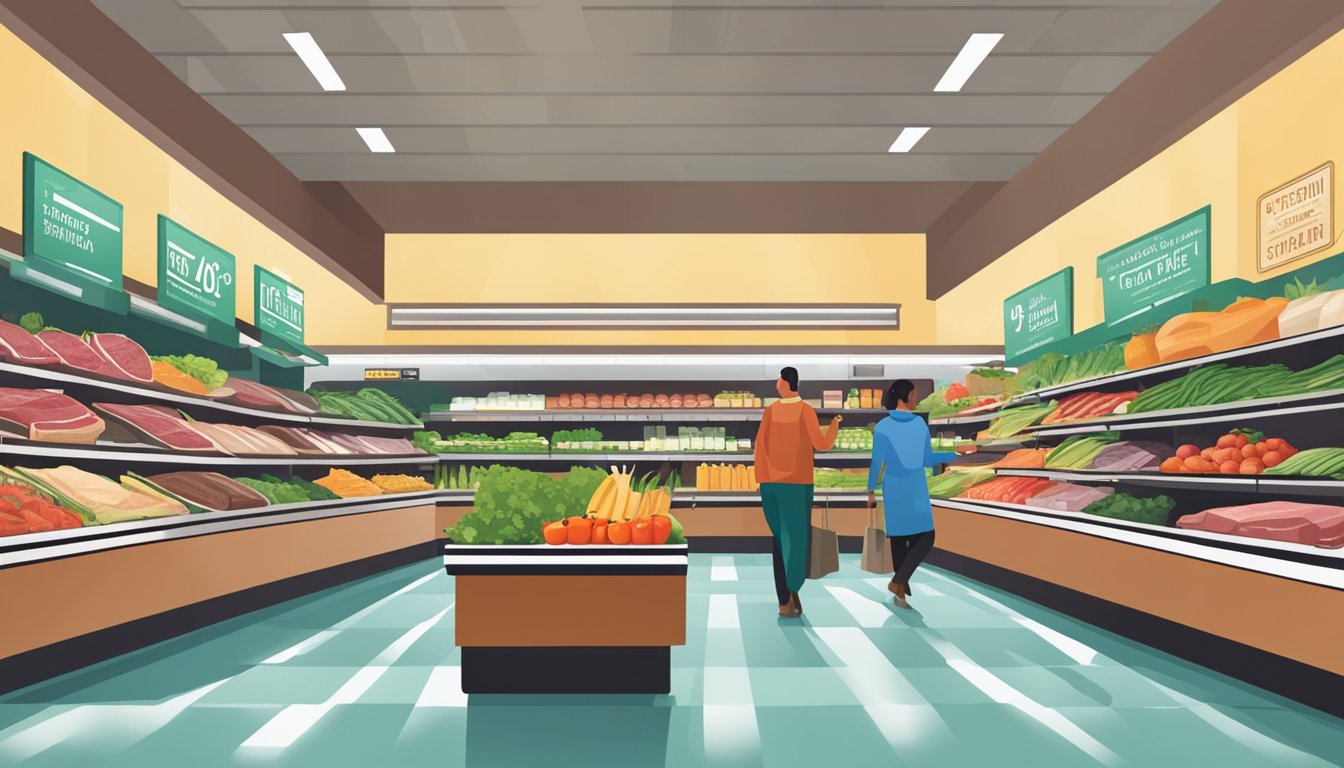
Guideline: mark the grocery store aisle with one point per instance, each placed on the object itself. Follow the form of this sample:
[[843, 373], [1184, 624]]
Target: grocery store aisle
[[365, 674]]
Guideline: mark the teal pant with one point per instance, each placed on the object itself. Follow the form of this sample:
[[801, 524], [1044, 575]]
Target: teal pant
[[788, 512]]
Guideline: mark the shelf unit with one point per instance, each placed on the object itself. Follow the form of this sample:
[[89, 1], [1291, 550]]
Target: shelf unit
[[1278, 486], [627, 457], [147, 455], [601, 415]]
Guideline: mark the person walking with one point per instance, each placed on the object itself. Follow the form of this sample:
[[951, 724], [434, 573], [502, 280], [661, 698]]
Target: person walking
[[788, 435], [902, 449]]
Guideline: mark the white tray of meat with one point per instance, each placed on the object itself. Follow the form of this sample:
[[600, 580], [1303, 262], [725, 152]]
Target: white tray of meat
[[1320, 525]]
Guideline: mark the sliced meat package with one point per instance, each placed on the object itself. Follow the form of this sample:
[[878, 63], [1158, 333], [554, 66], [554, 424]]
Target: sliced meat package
[[157, 425], [52, 417], [1069, 497], [210, 489], [74, 353], [1320, 525], [102, 499], [254, 394], [1132, 456], [126, 359], [20, 346], [295, 439]]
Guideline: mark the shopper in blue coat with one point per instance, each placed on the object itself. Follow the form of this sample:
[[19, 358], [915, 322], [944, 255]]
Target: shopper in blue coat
[[902, 449]]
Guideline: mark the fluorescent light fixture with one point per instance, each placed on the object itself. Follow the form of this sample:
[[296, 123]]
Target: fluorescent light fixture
[[609, 316], [376, 139], [316, 61], [973, 53], [908, 139]]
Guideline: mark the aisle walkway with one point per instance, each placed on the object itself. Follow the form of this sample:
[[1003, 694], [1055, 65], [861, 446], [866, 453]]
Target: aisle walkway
[[365, 675]]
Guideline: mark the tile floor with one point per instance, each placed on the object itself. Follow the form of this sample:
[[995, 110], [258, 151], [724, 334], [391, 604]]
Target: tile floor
[[366, 674]]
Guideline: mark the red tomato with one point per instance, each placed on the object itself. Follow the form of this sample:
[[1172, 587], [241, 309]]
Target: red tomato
[[554, 533], [1261, 449], [1186, 451], [579, 530], [1272, 459], [1242, 440], [600, 534], [1249, 452], [1252, 467], [1227, 441], [619, 533], [1206, 454], [1173, 465], [1287, 451], [641, 532], [1275, 443], [1229, 467], [662, 529]]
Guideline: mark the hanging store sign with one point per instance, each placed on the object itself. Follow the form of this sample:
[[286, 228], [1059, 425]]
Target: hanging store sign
[[1297, 219], [70, 224], [279, 306], [1038, 315], [1156, 268], [391, 374], [194, 274]]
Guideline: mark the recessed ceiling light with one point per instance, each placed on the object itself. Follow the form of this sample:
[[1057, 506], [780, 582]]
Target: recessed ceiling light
[[908, 139], [316, 61], [972, 54], [376, 139]]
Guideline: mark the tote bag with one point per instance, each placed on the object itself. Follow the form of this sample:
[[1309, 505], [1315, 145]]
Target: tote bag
[[876, 552], [823, 555]]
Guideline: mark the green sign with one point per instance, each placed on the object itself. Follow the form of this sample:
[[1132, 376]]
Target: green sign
[[279, 307], [1038, 315], [194, 274], [1156, 268], [71, 224]]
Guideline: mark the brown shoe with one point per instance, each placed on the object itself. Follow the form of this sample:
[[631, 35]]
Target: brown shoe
[[786, 610], [797, 605], [898, 589]]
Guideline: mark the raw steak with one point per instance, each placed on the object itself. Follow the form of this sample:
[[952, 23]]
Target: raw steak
[[20, 346], [294, 439], [257, 395], [48, 416], [74, 352], [210, 489], [158, 425], [241, 441], [1321, 525], [126, 359]]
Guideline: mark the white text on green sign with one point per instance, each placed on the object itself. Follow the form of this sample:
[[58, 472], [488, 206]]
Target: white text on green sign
[[1155, 268], [71, 224], [194, 274]]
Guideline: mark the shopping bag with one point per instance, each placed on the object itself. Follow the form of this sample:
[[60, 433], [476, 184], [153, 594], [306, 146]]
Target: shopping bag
[[823, 552], [876, 552]]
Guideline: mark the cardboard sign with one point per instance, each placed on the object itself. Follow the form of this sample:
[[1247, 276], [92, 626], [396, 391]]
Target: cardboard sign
[[1297, 219]]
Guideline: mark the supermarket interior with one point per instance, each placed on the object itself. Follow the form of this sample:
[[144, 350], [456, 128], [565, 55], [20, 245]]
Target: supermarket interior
[[687, 384]]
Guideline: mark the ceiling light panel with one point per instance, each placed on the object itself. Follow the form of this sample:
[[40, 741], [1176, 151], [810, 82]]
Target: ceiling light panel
[[312, 56], [973, 53], [908, 139], [376, 140]]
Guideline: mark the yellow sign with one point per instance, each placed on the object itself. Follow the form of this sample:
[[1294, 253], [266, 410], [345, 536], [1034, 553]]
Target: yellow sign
[[1297, 219], [391, 374]]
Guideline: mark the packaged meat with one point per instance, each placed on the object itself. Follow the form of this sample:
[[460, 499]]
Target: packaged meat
[[98, 498], [1069, 497], [19, 346], [1320, 525], [157, 425], [1132, 456], [209, 489], [126, 359], [51, 417], [74, 353]]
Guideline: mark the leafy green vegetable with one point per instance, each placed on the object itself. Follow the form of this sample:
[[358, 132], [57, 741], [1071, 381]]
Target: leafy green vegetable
[[993, 373], [32, 322], [426, 440], [275, 490], [512, 504], [1297, 289], [202, 369], [1122, 506]]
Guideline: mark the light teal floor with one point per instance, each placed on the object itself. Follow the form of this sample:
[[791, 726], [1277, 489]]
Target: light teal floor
[[367, 675]]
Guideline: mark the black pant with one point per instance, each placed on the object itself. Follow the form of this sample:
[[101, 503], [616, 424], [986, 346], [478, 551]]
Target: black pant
[[907, 552], [781, 583]]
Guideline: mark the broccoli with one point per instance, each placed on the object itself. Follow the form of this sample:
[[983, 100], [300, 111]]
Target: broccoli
[[32, 322]]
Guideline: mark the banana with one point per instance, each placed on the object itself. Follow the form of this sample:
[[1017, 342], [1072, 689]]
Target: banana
[[621, 497], [632, 506], [600, 495]]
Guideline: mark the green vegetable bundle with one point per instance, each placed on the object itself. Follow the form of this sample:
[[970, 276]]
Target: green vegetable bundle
[[1079, 451], [368, 404], [950, 484], [932, 400], [1122, 506], [826, 477], [1014, 420], [576, 436], [1053, 369], [202, 369], [426, 440], [1219, 383], [1313, 462], [512, 504], [278, 491]]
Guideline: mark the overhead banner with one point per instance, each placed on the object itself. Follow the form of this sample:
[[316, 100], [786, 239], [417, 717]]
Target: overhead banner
[[1038, 315], [1297, 219], [279, 306], [70, 224], [1156, 268], [194, 274]]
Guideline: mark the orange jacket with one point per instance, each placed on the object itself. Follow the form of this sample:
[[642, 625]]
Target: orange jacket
[[789, 433]]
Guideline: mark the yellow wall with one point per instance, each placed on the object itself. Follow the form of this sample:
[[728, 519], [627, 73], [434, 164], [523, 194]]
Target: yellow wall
[[1287, 126], [58, 121], [663, 269]]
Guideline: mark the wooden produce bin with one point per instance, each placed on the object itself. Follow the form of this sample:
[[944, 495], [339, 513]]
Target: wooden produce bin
[[568, 619]]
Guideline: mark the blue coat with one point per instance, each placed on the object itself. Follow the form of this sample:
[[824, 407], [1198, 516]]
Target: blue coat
[[902, 448]]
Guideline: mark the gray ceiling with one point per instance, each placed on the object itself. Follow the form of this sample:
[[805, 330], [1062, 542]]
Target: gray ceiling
[[620, 90]]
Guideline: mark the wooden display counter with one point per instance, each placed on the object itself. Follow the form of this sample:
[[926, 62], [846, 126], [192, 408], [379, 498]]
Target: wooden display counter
[[568, 619]]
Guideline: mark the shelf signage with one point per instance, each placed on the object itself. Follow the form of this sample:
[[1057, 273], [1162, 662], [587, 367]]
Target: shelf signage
[[194, 274], [391, 374], [1297, 219], [70, 224], [1038, 315], [1156, 268], [279, 306]]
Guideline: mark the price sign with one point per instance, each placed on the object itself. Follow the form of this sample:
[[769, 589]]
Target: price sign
[[70, 224], [1156, 268], [194, 274], [391, 374], [279, 306], [1038, 315]]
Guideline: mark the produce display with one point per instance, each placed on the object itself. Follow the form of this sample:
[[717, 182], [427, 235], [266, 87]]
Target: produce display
[[203, 370], [1245, 322], [1218, 383], [730, 400], [168, 375], [37, 414], [461, 477], [401, 483], [1079, 451], [25, 510], [1052, 369], [348, 485], [950, 484], [691, 440], [94, 497], [1313, 462], [1239, 452], [1320, 525], [292, 491], [953, 399], [853, 440], [498, 401], [368, 404], [1014, 420], [1087, 405], [579, 440], [1008, 490], [726, 477], [512, 505], [208, 490], [829, 477], [1122, 506], [514, 442]]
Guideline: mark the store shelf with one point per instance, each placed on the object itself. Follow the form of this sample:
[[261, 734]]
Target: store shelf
[[630, 456], [35, 547], [1210, 414], [147, 455], [1312, 565], [655, 415], [1243, 483], [48, 378]]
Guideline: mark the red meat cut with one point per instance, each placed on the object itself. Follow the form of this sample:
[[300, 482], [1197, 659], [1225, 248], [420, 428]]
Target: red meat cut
[[126, 359], [48, 416], [257, 395], [20, 346], [74, 352], [1320, 525], [158, 425]]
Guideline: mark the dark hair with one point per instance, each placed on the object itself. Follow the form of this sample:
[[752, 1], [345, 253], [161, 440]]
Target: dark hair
[[790, 375], [898, 392]]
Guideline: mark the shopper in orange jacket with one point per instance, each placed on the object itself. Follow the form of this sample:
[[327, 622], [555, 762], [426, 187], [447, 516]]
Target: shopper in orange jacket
[[789, 433]]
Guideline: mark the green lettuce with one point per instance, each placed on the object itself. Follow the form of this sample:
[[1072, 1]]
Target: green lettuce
[[202, 369]]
